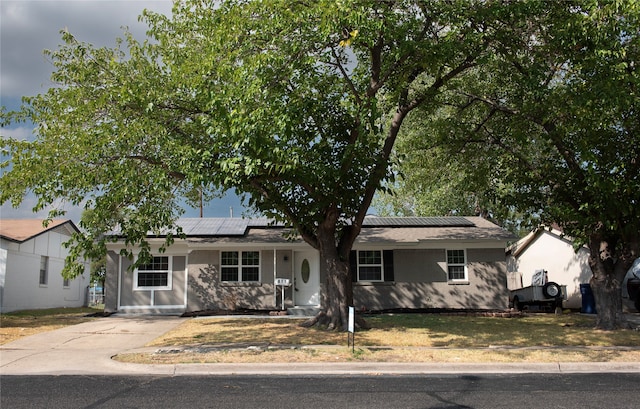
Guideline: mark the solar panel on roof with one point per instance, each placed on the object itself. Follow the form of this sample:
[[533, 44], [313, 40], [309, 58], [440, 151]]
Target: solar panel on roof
[[238, 227], [448, 221], [222, 226], [233, 227]]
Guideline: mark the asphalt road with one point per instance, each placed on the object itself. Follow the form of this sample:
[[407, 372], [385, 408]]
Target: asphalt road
[[539, 391]]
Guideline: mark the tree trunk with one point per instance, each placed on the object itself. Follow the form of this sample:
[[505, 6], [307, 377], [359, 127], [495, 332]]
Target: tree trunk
[[338, 292], [605, 282]]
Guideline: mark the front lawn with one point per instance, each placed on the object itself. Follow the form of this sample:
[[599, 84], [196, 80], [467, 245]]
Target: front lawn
[[397, 338], [15, 325]]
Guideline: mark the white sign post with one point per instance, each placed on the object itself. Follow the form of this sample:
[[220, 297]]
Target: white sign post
[[351, 336], [282, 283]]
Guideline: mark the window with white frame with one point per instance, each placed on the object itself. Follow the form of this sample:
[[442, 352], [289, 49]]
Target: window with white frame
[[457, 265], [155, 275], [240, 266], [66, 283], [44, 270], [370, 266]]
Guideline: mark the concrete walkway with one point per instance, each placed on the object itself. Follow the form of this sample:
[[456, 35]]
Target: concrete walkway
[[86, 349]]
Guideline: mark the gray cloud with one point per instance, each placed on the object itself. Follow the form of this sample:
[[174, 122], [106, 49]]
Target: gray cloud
[[28, 27]]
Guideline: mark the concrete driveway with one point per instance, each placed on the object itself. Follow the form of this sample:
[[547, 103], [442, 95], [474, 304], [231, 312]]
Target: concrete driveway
[[85, 348]]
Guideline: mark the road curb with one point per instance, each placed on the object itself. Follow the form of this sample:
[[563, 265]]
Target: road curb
[[390, 368], [372, 368]]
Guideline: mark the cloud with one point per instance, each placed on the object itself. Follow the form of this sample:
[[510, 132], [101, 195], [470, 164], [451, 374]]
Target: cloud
[[29, 27], [25, 210], [22, 133]]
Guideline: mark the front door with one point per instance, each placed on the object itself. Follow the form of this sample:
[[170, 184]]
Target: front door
[[307, 278]]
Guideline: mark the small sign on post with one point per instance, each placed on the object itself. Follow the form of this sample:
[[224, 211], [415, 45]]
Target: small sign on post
[[351, 335], [282, 283]]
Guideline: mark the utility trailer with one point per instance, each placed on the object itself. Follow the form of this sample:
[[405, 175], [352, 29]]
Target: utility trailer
[[541, 292]]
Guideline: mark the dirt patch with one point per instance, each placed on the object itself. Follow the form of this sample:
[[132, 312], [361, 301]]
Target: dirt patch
[[99, 314], [262, 354]]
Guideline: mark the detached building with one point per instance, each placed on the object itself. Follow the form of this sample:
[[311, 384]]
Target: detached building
[[31, 260]]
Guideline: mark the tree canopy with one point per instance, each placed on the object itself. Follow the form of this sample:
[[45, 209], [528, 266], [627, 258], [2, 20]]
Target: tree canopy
[[296, 104], [552, 124]]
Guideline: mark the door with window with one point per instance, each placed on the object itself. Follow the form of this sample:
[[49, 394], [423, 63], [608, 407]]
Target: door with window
[[307, 278]]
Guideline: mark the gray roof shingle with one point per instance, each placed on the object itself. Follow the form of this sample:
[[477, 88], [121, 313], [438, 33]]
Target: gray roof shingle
[[375, 229]]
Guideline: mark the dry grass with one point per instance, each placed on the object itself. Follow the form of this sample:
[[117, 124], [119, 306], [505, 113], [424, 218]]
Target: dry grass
[[20, 324], [408, 330], [393, 338], [344, 354], [396, 338]]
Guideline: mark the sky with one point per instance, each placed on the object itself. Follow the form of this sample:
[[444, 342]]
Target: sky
[[27, 27]]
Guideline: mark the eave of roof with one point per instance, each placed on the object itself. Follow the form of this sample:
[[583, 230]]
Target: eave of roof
[[21, 230], [521, 245]]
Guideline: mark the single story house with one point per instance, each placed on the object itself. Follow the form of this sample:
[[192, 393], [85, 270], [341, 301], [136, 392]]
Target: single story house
[[551, 250], [31, 260], [229, 263]]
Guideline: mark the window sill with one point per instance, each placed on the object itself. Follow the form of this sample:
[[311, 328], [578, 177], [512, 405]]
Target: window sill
[[458, 283], [240, 284], [374, 283], [152, 289]]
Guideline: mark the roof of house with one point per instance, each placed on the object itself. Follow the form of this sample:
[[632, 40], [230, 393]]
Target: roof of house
[[521, 245], [21, 230], [374, 229], [239, 227], [433, 228]]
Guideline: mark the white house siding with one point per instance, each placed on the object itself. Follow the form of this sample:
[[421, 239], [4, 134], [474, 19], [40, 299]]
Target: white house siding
[[21, 289], [3, 274], [555, 254]]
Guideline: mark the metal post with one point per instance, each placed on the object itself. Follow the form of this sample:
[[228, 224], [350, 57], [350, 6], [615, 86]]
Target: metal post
[[351, 328]]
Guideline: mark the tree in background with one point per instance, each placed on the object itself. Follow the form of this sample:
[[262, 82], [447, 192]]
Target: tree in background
[[435, 181], [551, 121], [295, 104]]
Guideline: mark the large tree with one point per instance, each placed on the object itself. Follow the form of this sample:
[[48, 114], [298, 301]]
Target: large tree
[[296, 104], [554, 119]]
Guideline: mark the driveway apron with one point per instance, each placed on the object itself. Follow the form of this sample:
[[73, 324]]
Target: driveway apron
[[85, 348]]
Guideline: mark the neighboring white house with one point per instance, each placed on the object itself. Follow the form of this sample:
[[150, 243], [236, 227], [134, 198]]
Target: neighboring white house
[[31, 262], [549, 250]]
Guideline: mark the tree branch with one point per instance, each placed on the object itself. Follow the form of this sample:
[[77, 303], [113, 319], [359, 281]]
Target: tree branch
[[141, 158]]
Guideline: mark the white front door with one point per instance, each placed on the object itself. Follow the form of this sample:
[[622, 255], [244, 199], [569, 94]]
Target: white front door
[[307, 278]]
